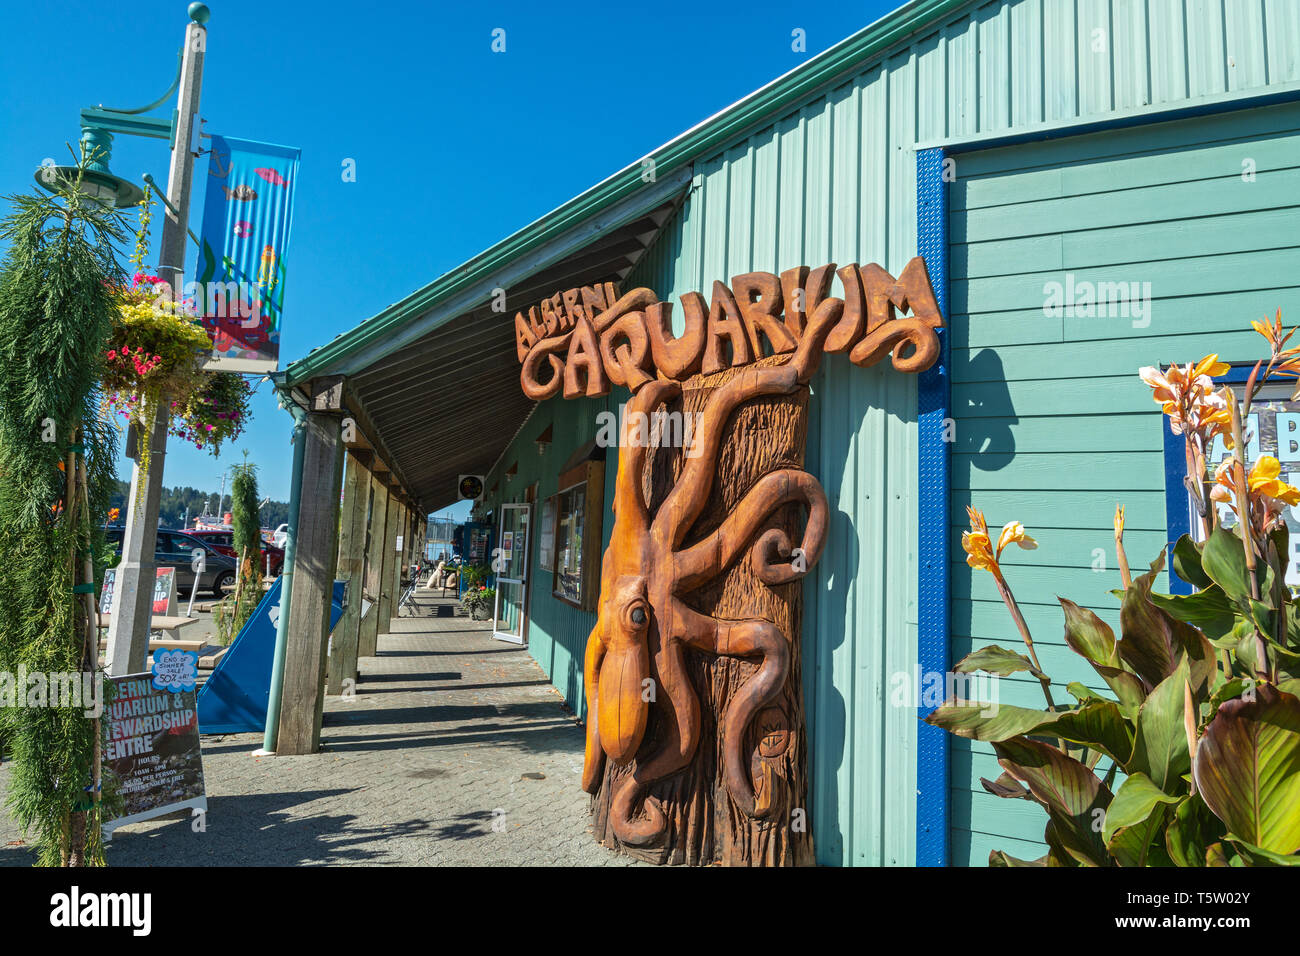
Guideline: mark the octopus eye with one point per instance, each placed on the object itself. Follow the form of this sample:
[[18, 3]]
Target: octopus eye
[[638, 615]]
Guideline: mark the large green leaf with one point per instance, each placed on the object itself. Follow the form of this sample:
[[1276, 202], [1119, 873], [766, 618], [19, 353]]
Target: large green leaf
[[1136, 799], [1191, 831], [1134, 818], [1224, 560], [1151, 641], [1073, 794], [1099, 724], [1160, 746], [1258, 856], [979, 720], [1248, 769], [1091, 638], [1210, 610], [1186, 562], [995, 660]]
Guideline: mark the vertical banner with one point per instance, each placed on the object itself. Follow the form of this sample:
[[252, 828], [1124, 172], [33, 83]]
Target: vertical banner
[[247, 214]]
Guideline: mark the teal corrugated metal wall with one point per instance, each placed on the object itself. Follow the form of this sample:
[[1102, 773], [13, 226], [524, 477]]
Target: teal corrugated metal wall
[[557, 632], [1053, 425], [835, 180]]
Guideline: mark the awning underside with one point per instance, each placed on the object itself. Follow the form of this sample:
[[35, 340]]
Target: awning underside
[[450, 403]]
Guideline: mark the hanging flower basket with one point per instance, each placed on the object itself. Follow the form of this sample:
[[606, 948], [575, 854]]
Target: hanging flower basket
[[213, 413], [155, 354]]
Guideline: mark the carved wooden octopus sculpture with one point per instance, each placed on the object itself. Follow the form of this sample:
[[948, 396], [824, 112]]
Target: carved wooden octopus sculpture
[[644, 628]]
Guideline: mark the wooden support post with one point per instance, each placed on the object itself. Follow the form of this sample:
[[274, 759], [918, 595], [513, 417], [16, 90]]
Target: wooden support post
[[352, 543], [313, 580], [369, 633], [388, 573]]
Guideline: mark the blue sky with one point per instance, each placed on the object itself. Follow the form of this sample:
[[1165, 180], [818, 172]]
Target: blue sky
[[455, 146]]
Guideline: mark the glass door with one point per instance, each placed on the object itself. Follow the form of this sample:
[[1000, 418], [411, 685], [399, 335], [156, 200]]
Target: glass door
[[510, 563]]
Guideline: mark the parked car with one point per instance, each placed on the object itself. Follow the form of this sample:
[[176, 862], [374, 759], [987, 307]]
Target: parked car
[[175, 549], [280, 535], [272, 559]]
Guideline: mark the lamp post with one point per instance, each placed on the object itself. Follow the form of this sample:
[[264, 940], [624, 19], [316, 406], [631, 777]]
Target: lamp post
[[128, 633]]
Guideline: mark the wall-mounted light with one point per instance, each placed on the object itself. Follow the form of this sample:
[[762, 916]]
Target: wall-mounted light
[[543, 440], [511, 472]]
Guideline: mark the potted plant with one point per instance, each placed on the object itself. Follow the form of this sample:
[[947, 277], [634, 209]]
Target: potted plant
[[478, 601]]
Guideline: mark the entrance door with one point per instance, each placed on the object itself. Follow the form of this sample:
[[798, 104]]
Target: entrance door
[[512, 578]]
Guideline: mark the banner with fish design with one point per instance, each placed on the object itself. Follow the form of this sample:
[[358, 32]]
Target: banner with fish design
[[247, 214]]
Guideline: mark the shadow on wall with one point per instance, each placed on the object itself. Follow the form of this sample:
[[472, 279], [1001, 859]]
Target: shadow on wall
[[985, 417], [826, 620], [985, 441]]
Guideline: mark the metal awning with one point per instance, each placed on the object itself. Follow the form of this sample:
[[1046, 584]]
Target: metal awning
[[435, 387]]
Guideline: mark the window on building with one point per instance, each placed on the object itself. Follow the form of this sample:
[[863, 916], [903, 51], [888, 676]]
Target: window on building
[[570, 520], [576, 520]]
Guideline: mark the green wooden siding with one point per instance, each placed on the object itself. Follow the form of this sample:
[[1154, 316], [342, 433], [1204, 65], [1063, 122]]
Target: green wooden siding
[[1053, 425]]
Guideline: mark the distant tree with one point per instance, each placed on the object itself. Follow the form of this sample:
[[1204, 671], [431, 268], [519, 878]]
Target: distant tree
[[175, 503], [235, 610]]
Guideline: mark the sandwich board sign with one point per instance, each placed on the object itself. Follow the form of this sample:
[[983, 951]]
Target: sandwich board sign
[[164, 592], [152, 746]]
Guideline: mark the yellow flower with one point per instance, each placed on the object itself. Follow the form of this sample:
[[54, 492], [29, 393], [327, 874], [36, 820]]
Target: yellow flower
[[1211, 366], [1119, 519], [1264, 480], [979, 553], [1015, 531]]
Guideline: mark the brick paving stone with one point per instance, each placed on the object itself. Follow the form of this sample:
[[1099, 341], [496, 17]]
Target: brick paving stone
[[454, 750]]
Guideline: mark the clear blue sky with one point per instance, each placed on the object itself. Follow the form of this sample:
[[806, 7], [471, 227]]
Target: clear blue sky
[[455, 146]]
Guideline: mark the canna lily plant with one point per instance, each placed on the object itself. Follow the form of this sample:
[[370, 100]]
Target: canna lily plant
[[1193, 759]]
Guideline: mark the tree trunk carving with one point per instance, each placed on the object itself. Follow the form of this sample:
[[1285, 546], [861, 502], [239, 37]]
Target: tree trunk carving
[[703, 823], [696, 738]]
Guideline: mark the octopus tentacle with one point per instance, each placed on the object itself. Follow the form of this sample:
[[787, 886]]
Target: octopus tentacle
[[593, 761], [628, 496], [682, 736], [684, 503], [754, 638], [705, 560]]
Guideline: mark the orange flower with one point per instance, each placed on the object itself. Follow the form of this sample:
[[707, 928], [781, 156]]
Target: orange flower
[[1272, 332], [1186, 394], [976, 544]]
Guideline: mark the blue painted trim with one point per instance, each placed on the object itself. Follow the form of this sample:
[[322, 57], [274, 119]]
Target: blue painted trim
[[933, 400], [1178, 506]]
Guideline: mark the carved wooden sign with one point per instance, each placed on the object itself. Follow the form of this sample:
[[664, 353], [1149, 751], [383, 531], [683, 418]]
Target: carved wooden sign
[[696, 747]]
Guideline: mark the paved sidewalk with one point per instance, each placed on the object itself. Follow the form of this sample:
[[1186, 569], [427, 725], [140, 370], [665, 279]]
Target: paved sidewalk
[[449, 731]]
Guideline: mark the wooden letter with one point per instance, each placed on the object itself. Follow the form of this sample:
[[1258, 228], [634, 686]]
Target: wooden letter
[[584, 373], [759, 296], [677, 358], [725, 322]]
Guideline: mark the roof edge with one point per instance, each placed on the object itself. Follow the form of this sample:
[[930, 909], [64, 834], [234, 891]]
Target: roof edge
[[709, 134]]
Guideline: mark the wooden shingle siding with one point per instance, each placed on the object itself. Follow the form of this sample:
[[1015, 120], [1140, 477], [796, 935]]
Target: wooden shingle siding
[[1054, 427]]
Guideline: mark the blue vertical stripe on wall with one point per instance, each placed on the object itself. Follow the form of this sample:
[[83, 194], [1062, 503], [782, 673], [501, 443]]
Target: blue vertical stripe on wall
[[933, 522]]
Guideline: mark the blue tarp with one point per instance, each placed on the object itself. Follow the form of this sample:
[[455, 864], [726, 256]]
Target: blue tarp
[[234, 699]]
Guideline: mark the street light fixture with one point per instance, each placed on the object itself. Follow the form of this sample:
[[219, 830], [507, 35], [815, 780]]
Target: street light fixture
[[97, 128]]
